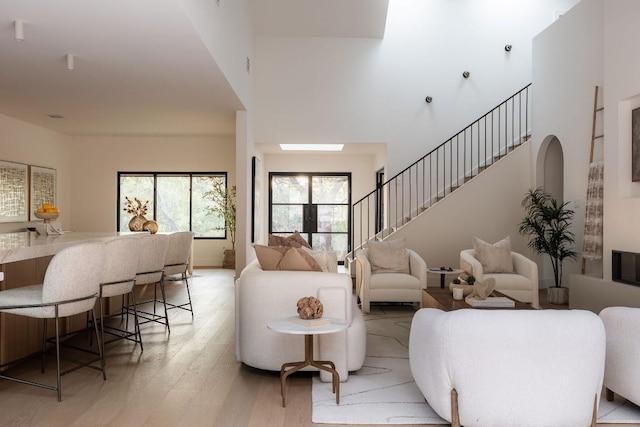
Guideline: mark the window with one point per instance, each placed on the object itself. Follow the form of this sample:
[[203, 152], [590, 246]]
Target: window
[[315, 204], [176, 201]]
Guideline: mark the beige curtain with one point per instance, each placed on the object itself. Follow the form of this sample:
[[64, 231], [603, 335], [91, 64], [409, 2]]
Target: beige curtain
[[592, 246]]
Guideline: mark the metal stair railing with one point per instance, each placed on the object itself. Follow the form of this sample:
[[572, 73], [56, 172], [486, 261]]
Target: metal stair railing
[[441, 171]]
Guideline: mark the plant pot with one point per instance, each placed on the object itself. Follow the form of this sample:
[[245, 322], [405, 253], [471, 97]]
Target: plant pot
[[229, 259], [558, 295]]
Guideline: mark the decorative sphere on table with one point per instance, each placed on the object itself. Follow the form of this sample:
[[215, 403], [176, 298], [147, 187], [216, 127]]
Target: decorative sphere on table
[[150, 226], [310, 308]]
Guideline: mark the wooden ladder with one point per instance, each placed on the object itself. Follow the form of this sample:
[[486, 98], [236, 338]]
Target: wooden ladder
[[594, 137]]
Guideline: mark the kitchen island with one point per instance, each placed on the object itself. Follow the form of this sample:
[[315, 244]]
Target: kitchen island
[[24, 257]]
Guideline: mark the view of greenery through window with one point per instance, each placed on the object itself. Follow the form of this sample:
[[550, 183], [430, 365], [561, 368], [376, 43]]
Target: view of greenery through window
[[176, 201]]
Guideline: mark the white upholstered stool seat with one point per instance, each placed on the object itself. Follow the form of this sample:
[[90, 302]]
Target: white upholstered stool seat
[[71, 286]]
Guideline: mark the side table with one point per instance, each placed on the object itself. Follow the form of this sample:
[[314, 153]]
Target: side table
[[443, 273], [297, 326]]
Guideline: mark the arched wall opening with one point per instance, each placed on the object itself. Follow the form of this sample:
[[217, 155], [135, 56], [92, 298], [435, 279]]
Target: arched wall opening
[[549, 176]]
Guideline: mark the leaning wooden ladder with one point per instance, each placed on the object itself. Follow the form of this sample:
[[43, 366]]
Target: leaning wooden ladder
[[594, 137]]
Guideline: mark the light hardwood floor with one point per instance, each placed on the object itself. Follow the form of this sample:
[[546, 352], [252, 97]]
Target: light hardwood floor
[[189, 377]]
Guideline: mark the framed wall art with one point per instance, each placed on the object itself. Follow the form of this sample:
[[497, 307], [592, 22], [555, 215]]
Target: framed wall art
[[14, 187], [256, 199], [43, 187]]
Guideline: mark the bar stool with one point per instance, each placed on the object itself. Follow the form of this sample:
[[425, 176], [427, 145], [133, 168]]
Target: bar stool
[[118, 278], [153, 250], [177, 262], [71, 286]]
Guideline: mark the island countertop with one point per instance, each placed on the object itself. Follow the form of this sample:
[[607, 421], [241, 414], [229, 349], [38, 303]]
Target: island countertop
[[28, 244]]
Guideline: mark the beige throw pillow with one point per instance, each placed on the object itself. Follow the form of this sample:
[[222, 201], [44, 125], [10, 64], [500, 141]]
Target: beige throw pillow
[[293, 241], [388, 256], [269, 256], [495, 258], [297, 259]]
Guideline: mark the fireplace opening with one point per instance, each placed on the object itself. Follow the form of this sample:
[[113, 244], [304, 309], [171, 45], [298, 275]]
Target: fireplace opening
[[625, 267]]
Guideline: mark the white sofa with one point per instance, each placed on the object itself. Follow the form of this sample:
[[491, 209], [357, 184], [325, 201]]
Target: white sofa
[[262, 296], [621, 374], [521, 285], [509, 367]]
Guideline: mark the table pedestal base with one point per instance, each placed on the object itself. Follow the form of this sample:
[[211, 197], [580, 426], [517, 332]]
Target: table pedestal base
[[325, 365]]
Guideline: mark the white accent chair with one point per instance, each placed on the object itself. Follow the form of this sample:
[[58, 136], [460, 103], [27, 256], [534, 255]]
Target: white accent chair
[[621, 374], [389, 287], [521, 285], [509, 367], [71, 286]]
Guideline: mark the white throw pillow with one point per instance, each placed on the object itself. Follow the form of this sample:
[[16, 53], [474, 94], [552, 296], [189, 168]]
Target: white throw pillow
[[388, 256], [495, 258], [327, 260]]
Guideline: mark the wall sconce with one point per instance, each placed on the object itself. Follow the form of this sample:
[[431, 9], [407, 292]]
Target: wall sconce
[[18, 27], [428, 99], [508, 48], [70, 62], [466, 74]]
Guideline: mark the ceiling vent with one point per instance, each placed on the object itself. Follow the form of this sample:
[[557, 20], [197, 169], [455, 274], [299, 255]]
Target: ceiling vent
[[55, 116]]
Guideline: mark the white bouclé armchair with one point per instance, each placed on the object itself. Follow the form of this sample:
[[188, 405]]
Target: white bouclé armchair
[[389, 286], [509, 367], [621, 374]]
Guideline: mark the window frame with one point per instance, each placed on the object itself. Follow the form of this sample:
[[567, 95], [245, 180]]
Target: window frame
[[155, 176]]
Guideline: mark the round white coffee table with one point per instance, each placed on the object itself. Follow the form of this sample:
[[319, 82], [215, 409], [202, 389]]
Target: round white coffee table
[[296, 326]]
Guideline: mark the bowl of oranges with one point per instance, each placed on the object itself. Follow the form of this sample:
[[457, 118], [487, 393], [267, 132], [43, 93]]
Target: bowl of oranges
[[47, 212]]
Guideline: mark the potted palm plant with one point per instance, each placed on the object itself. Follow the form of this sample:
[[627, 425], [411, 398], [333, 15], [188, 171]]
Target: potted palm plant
[[548, 223], [224, 205]]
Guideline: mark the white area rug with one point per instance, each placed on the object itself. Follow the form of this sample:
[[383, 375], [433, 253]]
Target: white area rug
[[383, 391]]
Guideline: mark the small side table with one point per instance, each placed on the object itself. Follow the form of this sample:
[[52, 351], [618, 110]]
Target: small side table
[[443, 273], [296, 326]]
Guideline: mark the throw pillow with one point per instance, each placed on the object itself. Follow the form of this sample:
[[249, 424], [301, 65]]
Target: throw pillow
[[297, 259], [269, 256], [495, 258], [296, 237], [293, 241], [388, 256], [327, 260]]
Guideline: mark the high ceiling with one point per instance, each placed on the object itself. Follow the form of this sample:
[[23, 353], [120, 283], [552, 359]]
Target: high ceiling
[[140, 67]]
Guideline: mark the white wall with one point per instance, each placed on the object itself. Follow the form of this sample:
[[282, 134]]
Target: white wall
[[22, 142], [225, 28], [592, 46], [622, 93], [95, 162], [488, 207], [567, 65], [369, 90]]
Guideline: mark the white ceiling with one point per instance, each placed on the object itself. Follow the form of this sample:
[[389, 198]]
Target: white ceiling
[[140, 66]]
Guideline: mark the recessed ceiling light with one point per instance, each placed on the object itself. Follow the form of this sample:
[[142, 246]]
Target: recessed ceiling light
[[311, 147], [55, 116]]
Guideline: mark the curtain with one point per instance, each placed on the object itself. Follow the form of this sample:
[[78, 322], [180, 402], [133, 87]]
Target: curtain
[[592, 246]]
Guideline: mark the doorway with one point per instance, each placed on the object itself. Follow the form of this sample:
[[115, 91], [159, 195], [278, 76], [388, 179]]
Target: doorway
[[315, 204]]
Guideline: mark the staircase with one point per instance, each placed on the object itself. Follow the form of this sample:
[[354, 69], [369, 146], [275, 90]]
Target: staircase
[[442, 171]]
